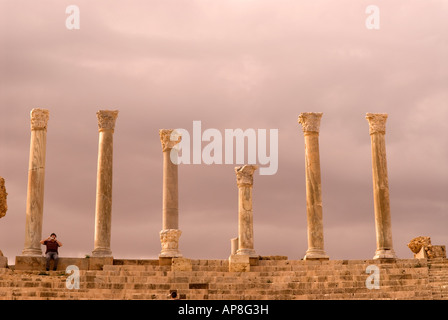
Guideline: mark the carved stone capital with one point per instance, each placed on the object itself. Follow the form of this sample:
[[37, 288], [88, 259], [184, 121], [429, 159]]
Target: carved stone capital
[[416, 244], [245, 175], [106, 119], [310, 121], [169, 138], [39, 119], [377, 122], [169, 239]]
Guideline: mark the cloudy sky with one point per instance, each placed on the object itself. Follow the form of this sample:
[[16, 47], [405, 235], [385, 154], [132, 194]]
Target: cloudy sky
[[229, 64]]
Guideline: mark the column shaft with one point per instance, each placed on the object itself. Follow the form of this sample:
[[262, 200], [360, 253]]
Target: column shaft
[[383, 226], [36, 179], [170, 209], [310, 124], [103, 208], [245, 212]]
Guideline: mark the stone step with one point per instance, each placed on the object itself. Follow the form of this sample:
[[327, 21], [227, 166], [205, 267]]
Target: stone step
[[210, 279], [136, 268], [211, 294], [213, 283]]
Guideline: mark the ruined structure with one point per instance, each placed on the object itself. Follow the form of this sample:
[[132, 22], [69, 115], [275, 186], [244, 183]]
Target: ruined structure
[[274, 277], [422, 248]]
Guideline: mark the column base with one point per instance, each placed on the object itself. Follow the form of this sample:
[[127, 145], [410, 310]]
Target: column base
[[32, 252], [316, 254], [170, 254], [385, 254], [169, 239], [102, 252], [247, 252]]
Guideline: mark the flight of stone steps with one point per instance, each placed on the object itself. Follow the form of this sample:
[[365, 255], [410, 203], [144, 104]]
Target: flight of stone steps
[[211, 280], [438, 278]]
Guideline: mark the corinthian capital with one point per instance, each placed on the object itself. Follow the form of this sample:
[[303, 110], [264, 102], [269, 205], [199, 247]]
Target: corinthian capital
[[310, 121], [39, 119], [106, 119], [245, 175], [377, 122], [169, 138]]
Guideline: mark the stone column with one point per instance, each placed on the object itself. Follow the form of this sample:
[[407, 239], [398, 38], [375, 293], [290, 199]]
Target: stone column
[[170, 233], [310, 122], [377, 130], [36, 177], [3, 196], [103, 208], [245, 180], [233, 246], [3, 209]]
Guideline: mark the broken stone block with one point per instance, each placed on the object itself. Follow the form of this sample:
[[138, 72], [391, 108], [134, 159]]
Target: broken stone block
[[423, 249], [416, 244]]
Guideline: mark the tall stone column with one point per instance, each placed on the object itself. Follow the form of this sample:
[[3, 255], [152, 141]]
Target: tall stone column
[[245, 181], [310, 122], [36, 178], [170, 233], [103, 208], [3, 196], [377, 130], [3, 209]]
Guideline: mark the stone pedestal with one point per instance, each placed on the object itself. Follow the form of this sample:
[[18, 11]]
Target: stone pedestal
[[170, 233], [103, 209], [38, 263], [97, 263], [36, 178], [310, 122], [239, 263], [244, 179], [377, 130]]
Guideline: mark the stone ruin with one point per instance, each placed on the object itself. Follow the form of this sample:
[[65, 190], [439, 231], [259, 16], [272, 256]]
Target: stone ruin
[[423, 249], [313, 277], [243, 251]]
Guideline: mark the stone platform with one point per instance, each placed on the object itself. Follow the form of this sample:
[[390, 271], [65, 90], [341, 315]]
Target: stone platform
[[38, 263], [406, 279]]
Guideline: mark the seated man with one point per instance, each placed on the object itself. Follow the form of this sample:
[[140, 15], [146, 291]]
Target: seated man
[[52, 250]]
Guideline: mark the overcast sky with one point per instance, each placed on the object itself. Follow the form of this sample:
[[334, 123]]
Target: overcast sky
[[229, 64]]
